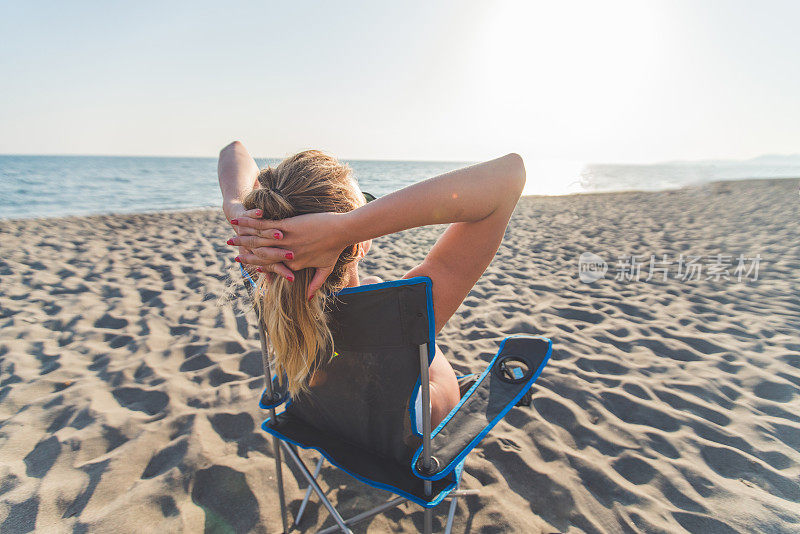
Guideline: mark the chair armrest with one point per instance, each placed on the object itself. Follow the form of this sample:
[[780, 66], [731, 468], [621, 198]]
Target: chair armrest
[[496, 391]]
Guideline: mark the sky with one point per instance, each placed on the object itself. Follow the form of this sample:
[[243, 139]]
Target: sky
[[627, 82]]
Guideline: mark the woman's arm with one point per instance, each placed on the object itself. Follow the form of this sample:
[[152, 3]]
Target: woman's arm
[[468, 195], [237, 172], [466, 248], [238, 175], [477, 201]]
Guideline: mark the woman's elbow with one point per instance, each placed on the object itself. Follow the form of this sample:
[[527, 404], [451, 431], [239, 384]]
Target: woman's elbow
[[516, 173], [234, 145]]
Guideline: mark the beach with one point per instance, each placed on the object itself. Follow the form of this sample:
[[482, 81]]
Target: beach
[[129, 384]]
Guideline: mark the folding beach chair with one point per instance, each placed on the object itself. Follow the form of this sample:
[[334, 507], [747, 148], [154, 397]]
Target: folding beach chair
[[363, 412]]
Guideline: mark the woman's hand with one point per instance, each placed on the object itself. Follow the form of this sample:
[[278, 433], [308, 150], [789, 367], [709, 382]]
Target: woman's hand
[[312, 240], [235, 210], [238, 175], [234, 213]]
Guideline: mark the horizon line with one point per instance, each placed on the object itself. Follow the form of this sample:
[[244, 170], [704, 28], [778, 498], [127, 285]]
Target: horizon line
[[176, 156], [423, 160]]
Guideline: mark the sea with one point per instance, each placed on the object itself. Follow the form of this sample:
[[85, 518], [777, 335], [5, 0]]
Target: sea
[[54, 186]]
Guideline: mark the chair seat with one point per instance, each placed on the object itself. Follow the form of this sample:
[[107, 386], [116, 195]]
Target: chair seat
[[364, 465]]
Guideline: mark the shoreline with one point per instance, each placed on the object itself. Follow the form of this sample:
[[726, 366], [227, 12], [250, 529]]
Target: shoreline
[[697, 186]]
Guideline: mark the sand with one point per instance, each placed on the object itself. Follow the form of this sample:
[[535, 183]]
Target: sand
[[128, 395]]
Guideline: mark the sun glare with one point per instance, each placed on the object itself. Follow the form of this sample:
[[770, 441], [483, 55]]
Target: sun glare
[[574, 68]]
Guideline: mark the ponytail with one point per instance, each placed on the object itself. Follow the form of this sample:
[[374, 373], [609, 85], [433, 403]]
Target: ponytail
[[297, 327], [299, 335]]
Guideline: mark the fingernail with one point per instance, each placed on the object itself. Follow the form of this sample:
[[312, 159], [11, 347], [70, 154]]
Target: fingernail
[[229, 242], [237, 258], [289, 256], [259, 213], [311, 296], [290, 278], [234, 221], [259, 269], [276, 235]]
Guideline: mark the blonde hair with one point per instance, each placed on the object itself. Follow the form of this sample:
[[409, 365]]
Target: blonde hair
[[308, 182]]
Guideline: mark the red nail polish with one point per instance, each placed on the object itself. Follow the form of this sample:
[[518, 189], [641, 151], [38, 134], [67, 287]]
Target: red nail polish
[[229, 241], [289, 256], [237, 258], [259, 213], [311, 297], [234, 221], [276, 235], [290, 278], [259, 269]]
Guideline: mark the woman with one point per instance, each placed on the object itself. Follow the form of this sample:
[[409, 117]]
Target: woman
[[305, 225]]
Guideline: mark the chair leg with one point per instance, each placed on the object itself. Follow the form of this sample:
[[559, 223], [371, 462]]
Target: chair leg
[[451, 514], [262, 336], [279, 475], [425, 390], [463, 493], [428, 521], [366, 515], [308, 492], [313, 483]]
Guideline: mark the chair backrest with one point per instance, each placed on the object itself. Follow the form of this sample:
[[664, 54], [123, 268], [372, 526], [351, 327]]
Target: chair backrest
[[366, 393]]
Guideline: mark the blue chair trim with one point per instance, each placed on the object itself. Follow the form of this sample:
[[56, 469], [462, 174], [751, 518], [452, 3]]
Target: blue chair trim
[[439, 498], [463, 454], [267, 406]]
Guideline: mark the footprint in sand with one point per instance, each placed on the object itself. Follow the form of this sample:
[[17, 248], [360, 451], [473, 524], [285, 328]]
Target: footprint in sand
[[225, 496], [218, 377], [113, 323], [730, 463], [702, 523], [775, 391], [22, 516], [168, 506], [634, 469], [232, 426], [141, 400], [167, 458], [195, 363], [120, 341], [39, 461]]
